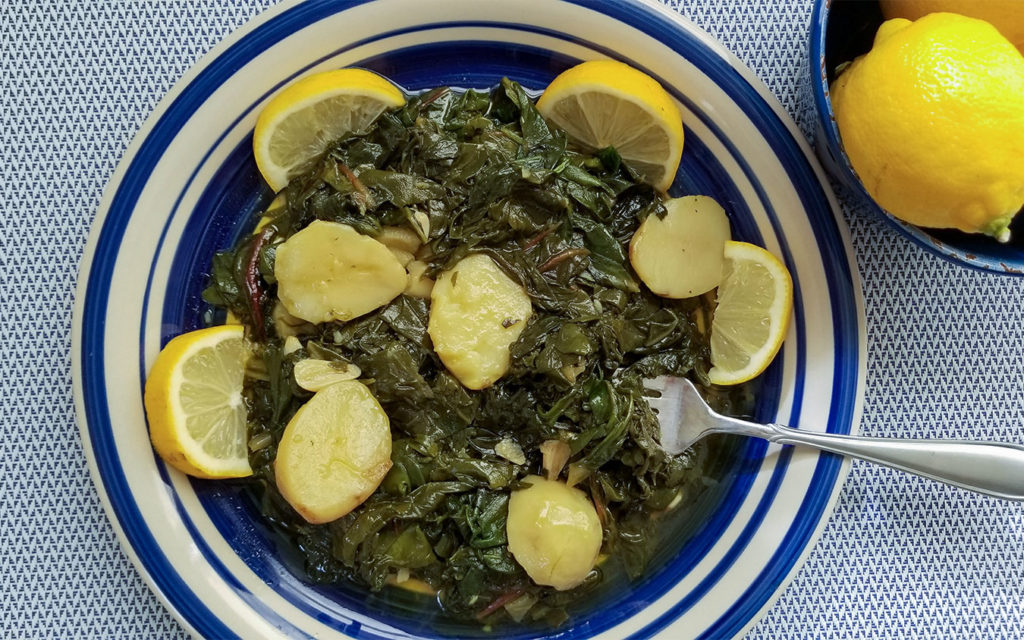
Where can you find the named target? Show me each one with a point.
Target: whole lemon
(932, 119)
(1005, 15)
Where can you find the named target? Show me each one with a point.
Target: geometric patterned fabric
(901, 557)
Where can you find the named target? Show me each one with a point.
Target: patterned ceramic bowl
(188, 186)
(841, 30)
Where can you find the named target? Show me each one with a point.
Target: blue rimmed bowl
(188, 186)
(840, 31)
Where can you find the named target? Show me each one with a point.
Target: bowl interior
(229, 208)
(842, 30)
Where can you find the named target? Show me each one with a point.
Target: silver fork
(992, 468)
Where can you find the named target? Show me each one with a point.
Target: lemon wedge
(604, 103)
(193, 399)
(300, 122)
(755, 302)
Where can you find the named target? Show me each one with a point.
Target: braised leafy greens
(493, 177)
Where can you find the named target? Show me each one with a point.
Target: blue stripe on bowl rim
(112, 229)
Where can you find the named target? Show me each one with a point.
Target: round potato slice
(476, 313)
(334, 452)
(329, 271)
(553, 532)
(682, 254)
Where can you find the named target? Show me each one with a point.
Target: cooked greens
(491, 177)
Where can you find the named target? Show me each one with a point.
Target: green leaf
(608, 262)
(411, 549)
(400, 189)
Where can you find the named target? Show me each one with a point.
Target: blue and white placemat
(900, 557)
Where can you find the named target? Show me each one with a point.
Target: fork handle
(994, 469)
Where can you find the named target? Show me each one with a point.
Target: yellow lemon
(304, 119)
(932, 119)
(194, 404)
(755, 302)
(1005, 15)
(604, 103)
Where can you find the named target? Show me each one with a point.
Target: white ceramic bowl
(188, 186)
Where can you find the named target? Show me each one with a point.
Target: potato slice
(329, 271)
(334, 452)
(682, 254)
(553, 532)
(476, 313)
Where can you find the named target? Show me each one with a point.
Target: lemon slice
(755, 301)
(193, 398)
(605, 103)
(299, 123)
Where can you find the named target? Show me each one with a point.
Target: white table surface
(900, 557)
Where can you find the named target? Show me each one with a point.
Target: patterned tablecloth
(900, 558)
